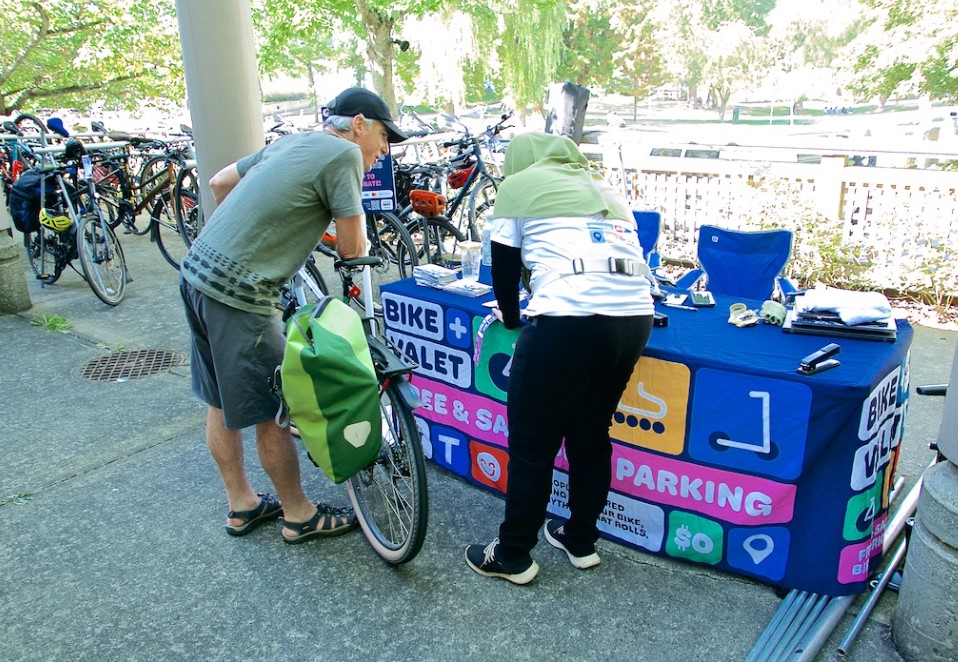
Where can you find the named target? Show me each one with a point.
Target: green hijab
(547, 175)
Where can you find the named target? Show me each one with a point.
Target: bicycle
(438, 224)
(390, 496)
(72, 225)
(387, 238)
(159, 186)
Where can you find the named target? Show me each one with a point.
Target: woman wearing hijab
(590, 317)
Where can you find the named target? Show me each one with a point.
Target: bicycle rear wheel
(388, 239)
(48, 253)
(481, 201)
(439, 242)
(390, 496)
(189, 216)
(166, 233)
(102, 259)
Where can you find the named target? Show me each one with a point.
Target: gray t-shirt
(272, 220)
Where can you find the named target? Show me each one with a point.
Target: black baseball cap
(360, 101)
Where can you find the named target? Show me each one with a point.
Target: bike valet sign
(766, 475)
(379, 187)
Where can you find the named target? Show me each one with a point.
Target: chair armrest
(788, 290)
(689, 279)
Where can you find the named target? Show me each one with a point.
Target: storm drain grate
(121, 366)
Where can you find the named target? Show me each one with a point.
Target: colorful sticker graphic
(854, 560)
(651, 413)
(478, 417)
(490, 466)
(450, 449)
(452, 366)
(861, 511)
(458, 328)
(761, 551)
(625, 519)
(495, 359)
(722, 495)
(419, 318)
(751, 423)
(694, 538)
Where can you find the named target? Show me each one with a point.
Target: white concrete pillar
(926, 615)
(14, 295)
(222, 84)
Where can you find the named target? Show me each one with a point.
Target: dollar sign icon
(683, 538)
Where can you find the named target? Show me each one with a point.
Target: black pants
(568, 374)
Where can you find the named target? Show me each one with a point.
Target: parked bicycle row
(60, 186)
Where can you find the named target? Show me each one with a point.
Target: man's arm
(351, 236)
(224, 181)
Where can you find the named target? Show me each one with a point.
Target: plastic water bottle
(487, 244)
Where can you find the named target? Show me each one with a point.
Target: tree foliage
(530, 48)
(639, 67)
(589, 42)
(907, 47)
(71, 53)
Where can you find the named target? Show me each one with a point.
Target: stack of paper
(467, 288)
(432, 275)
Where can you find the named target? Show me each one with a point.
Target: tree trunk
(379, 48)
(313, 97)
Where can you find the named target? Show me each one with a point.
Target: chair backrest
(649, 224)
(743, 263)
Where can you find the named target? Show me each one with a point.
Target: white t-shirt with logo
(550, 244)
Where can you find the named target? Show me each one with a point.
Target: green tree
(736, 60)
(293, 42)
(752, 13)
(374, 23)
(530, 48)
(589, 44)
(638, 66)
(75, 53)
(940, 71)
(906, 47)
(683, 35)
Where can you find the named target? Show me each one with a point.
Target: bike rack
(804, 621)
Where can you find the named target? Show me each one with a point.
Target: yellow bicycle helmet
(55, 223)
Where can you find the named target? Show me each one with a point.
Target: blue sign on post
(379, 186)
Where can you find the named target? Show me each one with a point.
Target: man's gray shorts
(233, 355)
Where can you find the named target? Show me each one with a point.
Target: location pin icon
(761, 551)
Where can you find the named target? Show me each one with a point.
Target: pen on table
(676, 305)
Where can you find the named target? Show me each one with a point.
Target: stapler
(820, 361)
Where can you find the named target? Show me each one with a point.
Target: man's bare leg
(279, 458)
(226, 447)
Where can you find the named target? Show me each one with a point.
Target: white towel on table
(852, 307)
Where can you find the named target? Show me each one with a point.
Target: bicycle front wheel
(102, 259)
(390, 496)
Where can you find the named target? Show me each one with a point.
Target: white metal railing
(899, 213)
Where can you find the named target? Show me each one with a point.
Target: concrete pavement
(112, 545)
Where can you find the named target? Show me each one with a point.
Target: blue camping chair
(648, 225)
(742, 264)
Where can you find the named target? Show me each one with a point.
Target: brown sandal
(327, 522)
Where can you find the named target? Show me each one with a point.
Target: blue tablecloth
(723, 454)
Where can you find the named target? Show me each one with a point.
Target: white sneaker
(554, 533)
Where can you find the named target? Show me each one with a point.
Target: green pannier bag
(329, 387)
